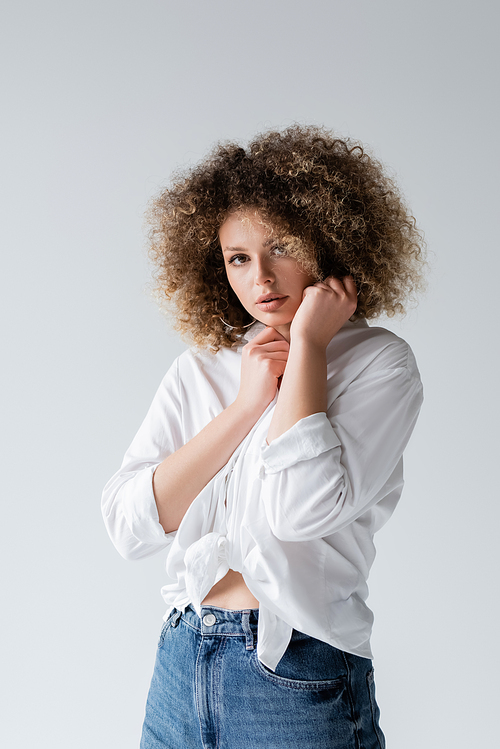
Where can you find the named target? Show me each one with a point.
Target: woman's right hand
(263, 362)
(184, 473)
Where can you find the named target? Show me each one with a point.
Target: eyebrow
(242, 249)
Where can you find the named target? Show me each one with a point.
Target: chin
(279, 317)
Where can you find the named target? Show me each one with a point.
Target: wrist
(245, 412)
(307, 346)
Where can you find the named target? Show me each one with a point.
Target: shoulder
(362, 347)
(204, 378)
(205, 362)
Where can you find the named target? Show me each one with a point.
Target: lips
(269, 297)
(270, 302)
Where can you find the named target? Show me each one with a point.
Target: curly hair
(333, 206)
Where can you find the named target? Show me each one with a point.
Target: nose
(264, 272)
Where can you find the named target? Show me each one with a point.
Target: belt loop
(245, 624)
(174, 621)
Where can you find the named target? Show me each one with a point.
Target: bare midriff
(231, 593)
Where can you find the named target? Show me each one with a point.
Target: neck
(284, 330)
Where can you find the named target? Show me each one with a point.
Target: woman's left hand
(325, 307)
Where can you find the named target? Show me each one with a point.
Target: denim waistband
(217, 622)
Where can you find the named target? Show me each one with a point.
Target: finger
(346, 283)
(277, 356)
(261, 355)
(350, 286)
(274, 346)
(268, 334)
(333, 282)
(254, 349)
(320, 285)
(329, 284)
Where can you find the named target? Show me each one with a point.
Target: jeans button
(209, 620)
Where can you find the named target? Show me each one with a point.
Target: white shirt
(296, 517)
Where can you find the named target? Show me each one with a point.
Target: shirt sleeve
(329, 468)
(128, 504)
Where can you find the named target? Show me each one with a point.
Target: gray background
(102, 100)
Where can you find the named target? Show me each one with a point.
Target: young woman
(272, 451)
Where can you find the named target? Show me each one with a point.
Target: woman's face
(268, 283)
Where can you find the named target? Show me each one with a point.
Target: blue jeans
(210, 691)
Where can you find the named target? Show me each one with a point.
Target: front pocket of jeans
(163, 632)
(166, 626)
(299, 684)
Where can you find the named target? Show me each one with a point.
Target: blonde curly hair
(332, 205)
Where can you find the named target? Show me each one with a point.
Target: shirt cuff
(140, 510)
(307, 439)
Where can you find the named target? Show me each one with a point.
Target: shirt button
(209, 620)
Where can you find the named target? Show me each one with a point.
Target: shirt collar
(253, 331)
(257, 327)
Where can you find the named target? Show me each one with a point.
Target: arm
(321, 471)
(160, 476)
(324, 309)
(329, 468)
(182, 475)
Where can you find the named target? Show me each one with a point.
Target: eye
(279, 251)
(237, 260)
